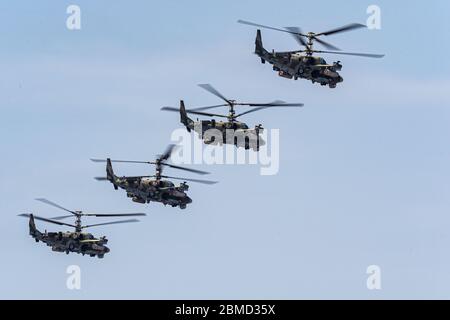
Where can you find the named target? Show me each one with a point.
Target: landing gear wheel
(100, 256)
(183, 206)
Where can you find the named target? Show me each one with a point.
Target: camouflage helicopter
(302, 63)
(144, 189)
(78, 241)
(230, 131)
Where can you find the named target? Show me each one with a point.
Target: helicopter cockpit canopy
(167, 184)
(87, 236)
(321, 60)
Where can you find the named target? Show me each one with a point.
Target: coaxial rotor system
(231, 104)
(307, 39)
(160, 163)
(78, 214)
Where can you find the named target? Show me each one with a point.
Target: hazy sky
(364, 168)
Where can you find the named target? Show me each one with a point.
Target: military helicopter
(78, 241)
(230, 131)
(144, 189)
(302, 63)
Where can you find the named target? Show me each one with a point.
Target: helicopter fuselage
(294, 65)
(77, 242)
(146, 190)
(229, 132)
(153, 188)
(224, 132)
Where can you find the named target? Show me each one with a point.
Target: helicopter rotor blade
(101, 178)
(151, 162)
(193, 180)
(208, 107)
(43, 200)
(249, 111)
(266, 107)
(61, 217)
(122, 161)
(114, 214)
(183, 168)
(276, 103)
(195, 111)
(297, 34)
(345, 28)
(206, 114)
(273, 103)
(108, 223)
(327, 45)
(167, 152)
(367, 55)
(26, 215)
(170, 109)
(268, 27)
(212, 90)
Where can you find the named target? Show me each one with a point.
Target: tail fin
(34, 232)
(33, 229)
(110, 173)
(259, 49)
(184, 119)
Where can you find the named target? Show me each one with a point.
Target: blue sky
(364, 175)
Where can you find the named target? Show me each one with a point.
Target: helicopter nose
(106, 249)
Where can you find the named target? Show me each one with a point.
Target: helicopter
(78, 242)
(230, 131)
(302, 63)
(145, 189)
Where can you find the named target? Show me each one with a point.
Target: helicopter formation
(159, 188)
